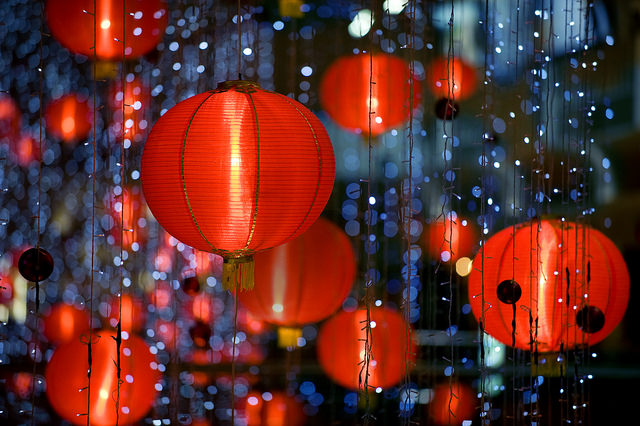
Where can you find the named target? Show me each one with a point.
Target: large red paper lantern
(271, 409)
(453, 77)
(303, 281)
(235, 171)
(452, 404)
(66, 377)
(345, 89)
(65, 323)
(69, 118)
(448, 240)
(145, 22)
(571, 278)
(341, 347)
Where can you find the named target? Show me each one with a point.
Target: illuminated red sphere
(271, 409)
(570, 277)
(345, 92)
(144, 21)
(66, 377)
(69, 118)
(133, 313)
(447, 240)
(455, 77)
(305, 280)
(341, 347)
(10, 117)
(25, 149)
(65, 323)
(237, 170)
(452, 405)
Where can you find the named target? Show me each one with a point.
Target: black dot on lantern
(191, 286)
(445, 110)
(590, 319)
(35, 264)
(200, 334)
(509, 292)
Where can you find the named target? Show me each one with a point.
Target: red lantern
(454, 77)
(448, 240)
(303, 281)
(235, 171)
(165, 332)
(127, 209)
(137, 98)
(66, 376)
(570, 278)
(10, 117)
(133, 313)
(145, 22)
(25, 149)
(341, 347)
(65, 323)
(451, 405)
(69, 118)
(271, 409)
(345, 89)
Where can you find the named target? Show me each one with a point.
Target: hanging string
(238, 19)
(233, 357)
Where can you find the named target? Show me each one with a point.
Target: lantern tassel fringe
(237, 273)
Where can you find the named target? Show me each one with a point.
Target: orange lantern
(562, 284)
(235, 171)
(452, 405)
(303, 281)
(271, 409)
(65, 323)
(137, 98)
(133, 313)
(341, 347)
(454, 77)
(66, 376)
(127, 209)
(345, 92)
(448, 240)
(69, 118)
(144, 21)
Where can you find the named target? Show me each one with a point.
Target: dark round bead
(590, 319)
(446, 111)
(200, 334)
(191, 286)
(509, 292)
(35, 264)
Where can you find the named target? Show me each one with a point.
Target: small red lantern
(566, 284)
(345, 92)
(10, 117)
(303, 281)
(144, 21)
(69, 118)
(451, 77)
(127, 209)
(452, 405)
(137, 98)
(341, 347)
(65, 323)
(66, 376)
(25, 149)
(448, 240)
(235, 171)
(133, 313)
(271, 409)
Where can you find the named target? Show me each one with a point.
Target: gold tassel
(288, 337)
(237, 273)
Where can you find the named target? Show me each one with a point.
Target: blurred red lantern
(163, 260)
(235, 171)
(6, 290)
(10, 117)
(201, 307)
(454, 77)
(271, 409)
(127, 209)
(448, 240)
(137, 98)
(144, 21)
(345, 89)
(25, 149)
(248, 323)
(570, 278)
(65, 323)
(165, 332)
(451, 405)
(21, 383)
(303, 281)
(341, 347)
(66, 377)
(162, 295)
(69, 118)
(133, 313)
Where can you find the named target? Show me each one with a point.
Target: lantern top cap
(230, 84)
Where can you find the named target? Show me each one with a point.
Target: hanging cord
(233, 358)
(238, 22)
